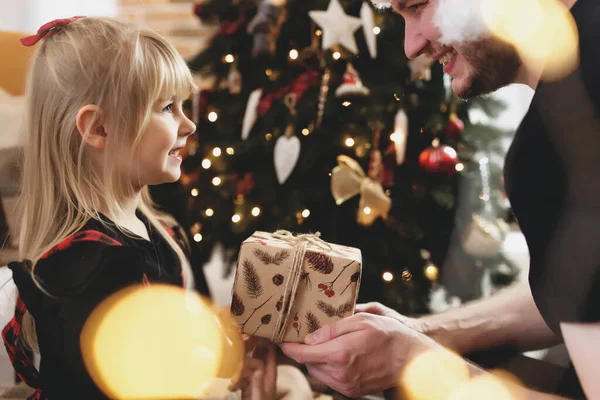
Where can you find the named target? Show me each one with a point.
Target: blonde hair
(123, 69)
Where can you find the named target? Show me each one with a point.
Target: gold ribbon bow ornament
(348, 180)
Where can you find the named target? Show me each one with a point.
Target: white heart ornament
(285, 157)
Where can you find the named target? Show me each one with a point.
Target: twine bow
(47, 30)
(290, 290)
(348, 180)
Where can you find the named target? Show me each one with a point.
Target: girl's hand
(258, 378)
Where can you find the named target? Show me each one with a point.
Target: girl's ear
(90, 123)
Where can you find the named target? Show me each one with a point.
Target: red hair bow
(47, 29)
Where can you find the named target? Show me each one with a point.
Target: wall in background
(174, 19)
(29, 15)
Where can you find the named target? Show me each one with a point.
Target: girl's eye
(168, 108)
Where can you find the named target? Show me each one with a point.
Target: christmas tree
(311, 118)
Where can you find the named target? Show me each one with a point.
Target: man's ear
(90, 123)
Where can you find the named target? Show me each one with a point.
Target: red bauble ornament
(454, 127)
(245, 184)
(439, 160)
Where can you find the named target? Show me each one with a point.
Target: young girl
(103, 121)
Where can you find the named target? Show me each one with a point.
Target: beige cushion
(8, 301)
(11, 142)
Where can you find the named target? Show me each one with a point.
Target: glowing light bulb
(198, 237)
(337, 55)
(388, 276)
(256, 211)
(376, 30)
(294, 54)
(305, 132)
(217, 152)
(195, 192)
(431, 272)
(213, 116)
(367, 210)
(318, 32)
(236, 218)
(269, 72)
(460, 167)
(349, 142)
(209, 212)
(306, 213)
(346, 103)
(230, 151)
(216, 181)
(206, 163)
(229, 58)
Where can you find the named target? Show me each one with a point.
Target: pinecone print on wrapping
(265, 320)
(268, 259)
(278, 280)
(279, 304)
(312, 322)
(342, 311)
(252, 280)
(353, 279)
(319, 262)
(237, 305)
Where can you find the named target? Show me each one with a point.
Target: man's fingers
(324, 353)
(336, 329)
(371, 308)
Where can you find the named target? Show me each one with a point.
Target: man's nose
(414, 42)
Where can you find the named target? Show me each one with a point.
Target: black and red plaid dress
(79, 273)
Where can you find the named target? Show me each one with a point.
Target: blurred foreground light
(542, 31)
(482, 387)
(434, 375)
(158, 342)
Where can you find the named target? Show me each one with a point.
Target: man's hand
(380, 309)
(362, 354)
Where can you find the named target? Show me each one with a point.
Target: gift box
(288, 286)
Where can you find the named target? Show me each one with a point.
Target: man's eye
(416, 7)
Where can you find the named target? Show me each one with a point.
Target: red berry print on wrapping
(297, 325)
(327, 287)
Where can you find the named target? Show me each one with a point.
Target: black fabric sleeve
(570, 112)
(119, 267)
(80, 278)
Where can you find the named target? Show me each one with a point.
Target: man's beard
(494, 64)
